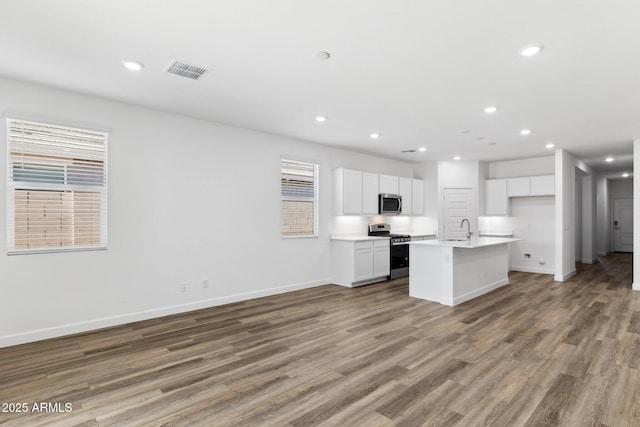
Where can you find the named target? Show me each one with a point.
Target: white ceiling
(419, 72)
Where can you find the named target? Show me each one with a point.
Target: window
(56, 188)
(299, 191)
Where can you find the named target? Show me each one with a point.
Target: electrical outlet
(205, 284)
(183, 287)
(527, 257)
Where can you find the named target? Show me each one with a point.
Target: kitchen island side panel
(478, 271)
(430, 272)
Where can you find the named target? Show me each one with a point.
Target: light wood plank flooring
(533, 353)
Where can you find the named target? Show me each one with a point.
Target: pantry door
(458, 204)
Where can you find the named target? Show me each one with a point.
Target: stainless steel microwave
(390, 204)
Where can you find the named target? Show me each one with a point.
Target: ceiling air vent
(185, 70)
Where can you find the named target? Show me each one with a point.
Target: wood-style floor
(534, 353)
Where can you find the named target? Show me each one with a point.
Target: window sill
(55, 250)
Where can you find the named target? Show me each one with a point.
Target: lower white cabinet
(382, 260)
(360, 262)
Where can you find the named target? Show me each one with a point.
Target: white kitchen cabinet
(417, 191)
(381, 259)
(347, 192)
(405, 190)
(360, 262)
(389, 184)
(370, 191)
(364, 263)
(496, 197)
(518, 187)
(543, 185)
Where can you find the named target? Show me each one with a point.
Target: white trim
(635, 286)
(473, 294)
(559, 278)
(47, 119)
(589, 261)
(605, 253)
(106, 322)
(538, 270)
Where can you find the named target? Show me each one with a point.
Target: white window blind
(56, 188)
(299, 191)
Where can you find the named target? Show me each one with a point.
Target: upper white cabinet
(543, 185)
(406, 191)
(389, 184)
(347, 194)
(370, 191)
(496, 197)
(418, 197)
(356, 192)
(517, 187)
(498, 191)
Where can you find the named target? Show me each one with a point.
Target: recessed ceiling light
(375, 135)
(625, 175)
(321, 119)
(492, 143)
(531, 49)
(422, 149)
(323, 56)
(456, 158)
(550, 145)
(525, 131)
(480, 138)
(490, 109)
(133, 65)
(609, 159)
(465, 131)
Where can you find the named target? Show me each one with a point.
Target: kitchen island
(452, 272)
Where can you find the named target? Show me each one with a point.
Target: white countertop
(352, 238)
(427, 234)
(473, 243)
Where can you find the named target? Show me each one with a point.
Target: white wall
(533, 222)
(188, 200)
(636, 217)
(566, 165)
(603, 228)
(524, 167)
(588, 221)
(578, 216)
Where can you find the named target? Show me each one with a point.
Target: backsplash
(399, 224)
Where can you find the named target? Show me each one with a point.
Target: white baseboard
(527, 269)
(106, 322)
(604, 253)
(589, 261)
(635, 286)
(473, 294)
(559, 278)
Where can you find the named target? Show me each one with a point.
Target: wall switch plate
(205, 284)
(183, 287)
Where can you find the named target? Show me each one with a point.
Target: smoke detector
(185, 70)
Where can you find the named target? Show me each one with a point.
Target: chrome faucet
(469, 233)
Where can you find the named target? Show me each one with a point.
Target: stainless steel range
(399, 249)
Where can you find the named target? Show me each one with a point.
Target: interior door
(458, 205)
(623, 225)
